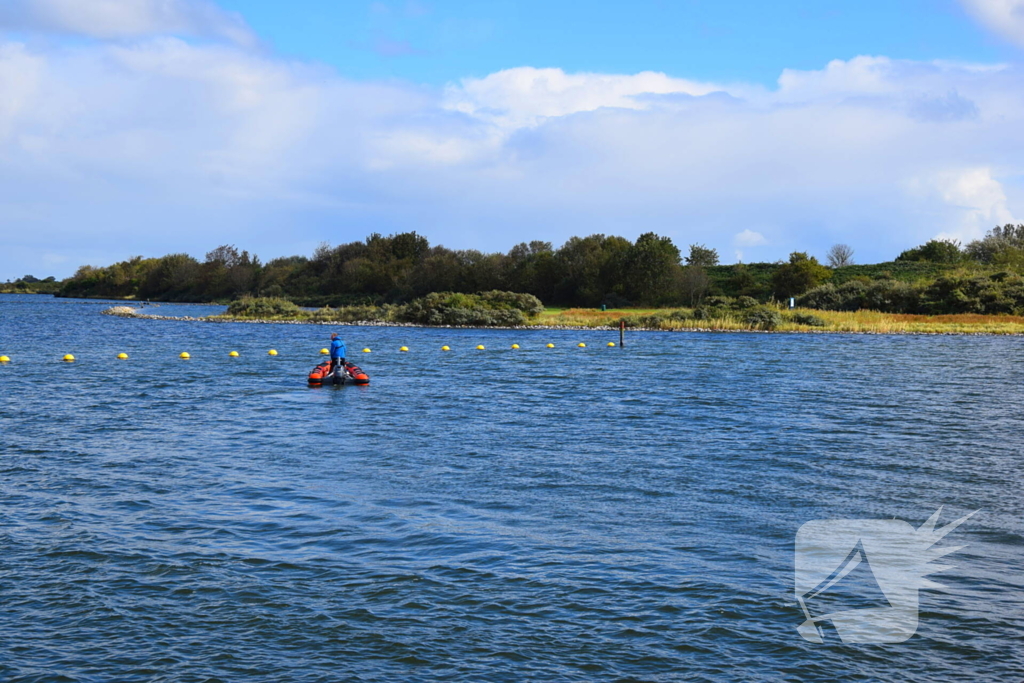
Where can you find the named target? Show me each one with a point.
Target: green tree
(650, 268)
(935, 251)
(695, 284)
(409, 246)
(1001, 246)
(439, 271)
(702, 256)
(590, 268)
(530, 268)
(802, 273)
(173, 278)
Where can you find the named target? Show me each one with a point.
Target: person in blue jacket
(337, 351)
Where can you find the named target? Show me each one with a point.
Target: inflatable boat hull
(322, 376)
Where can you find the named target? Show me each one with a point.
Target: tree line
(30, 284)
(584, 272)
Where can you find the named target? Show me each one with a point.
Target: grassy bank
(760, 318)
(827, 321)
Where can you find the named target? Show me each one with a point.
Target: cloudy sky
(156, 126)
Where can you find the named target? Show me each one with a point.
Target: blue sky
(719, 40)
(157, 126)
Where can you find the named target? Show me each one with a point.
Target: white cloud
(749, 238)
(864, 76)
(978, 200)
(157, 145)
(112, 19)
(1005, 17)
(524, 96)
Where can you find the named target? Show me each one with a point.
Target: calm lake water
(565, 514)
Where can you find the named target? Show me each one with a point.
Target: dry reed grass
(836, 321)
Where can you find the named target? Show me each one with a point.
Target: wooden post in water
(622, 333)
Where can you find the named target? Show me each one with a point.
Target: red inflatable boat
(351, 374)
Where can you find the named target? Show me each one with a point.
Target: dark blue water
(564, 514)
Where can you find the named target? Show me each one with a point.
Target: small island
(598, 281)
(718, 315)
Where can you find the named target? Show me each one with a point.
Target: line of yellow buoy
(184, 355)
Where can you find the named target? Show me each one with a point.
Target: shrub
(351, 314)
(891, 296)
(710, 312)
(653, 322)
(829, 297)
(745, 302)
(887, 296)
(527, 303)
(997, 294)
(263, 308)
(763, 318)
(808, 319)
(977, 294)
(486, 309)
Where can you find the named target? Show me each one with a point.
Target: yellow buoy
(184, 355)
(445, 348)
(404, 348)
(479, 347)
(233, 354)
(582, 345)
(515, 346)
(4, 359)
(69, 358)
(272, 352)
(551, 346)
(611, 343)
(324, 352)
(366, 350)
(122, 356)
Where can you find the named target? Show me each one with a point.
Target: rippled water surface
(565, 514)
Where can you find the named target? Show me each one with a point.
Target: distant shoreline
(133, 313)
(835, 322)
